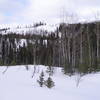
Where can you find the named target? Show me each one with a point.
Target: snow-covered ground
(17, 84)
(29, 29)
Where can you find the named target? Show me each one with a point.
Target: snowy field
(17, 84)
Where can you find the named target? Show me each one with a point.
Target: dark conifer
(41, 79)
(49, 82)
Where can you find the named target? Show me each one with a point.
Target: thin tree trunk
(97, 32)
(81, 49)
(88, 39)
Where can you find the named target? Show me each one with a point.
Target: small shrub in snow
(49, 82)
(41, 79)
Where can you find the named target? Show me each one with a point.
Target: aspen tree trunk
(53, 63)
(59, 52)
(97, 25)
(88, 40)
(34, 60)
(64, 55)
(73, 55)
(73, 47)
(81, 49)
(34, 55)
(68, 49)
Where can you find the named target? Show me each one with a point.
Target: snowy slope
(22, 29)
(17, 84)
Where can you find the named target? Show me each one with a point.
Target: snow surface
(29, 29)
(17, 84)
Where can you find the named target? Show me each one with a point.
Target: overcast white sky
(51, 11)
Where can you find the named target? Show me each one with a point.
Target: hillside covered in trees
(75, 47)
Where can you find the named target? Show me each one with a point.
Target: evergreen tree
(49, 82)
(41, 79)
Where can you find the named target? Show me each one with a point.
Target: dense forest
(75, 47)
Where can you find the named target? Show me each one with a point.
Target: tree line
(75, 47)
